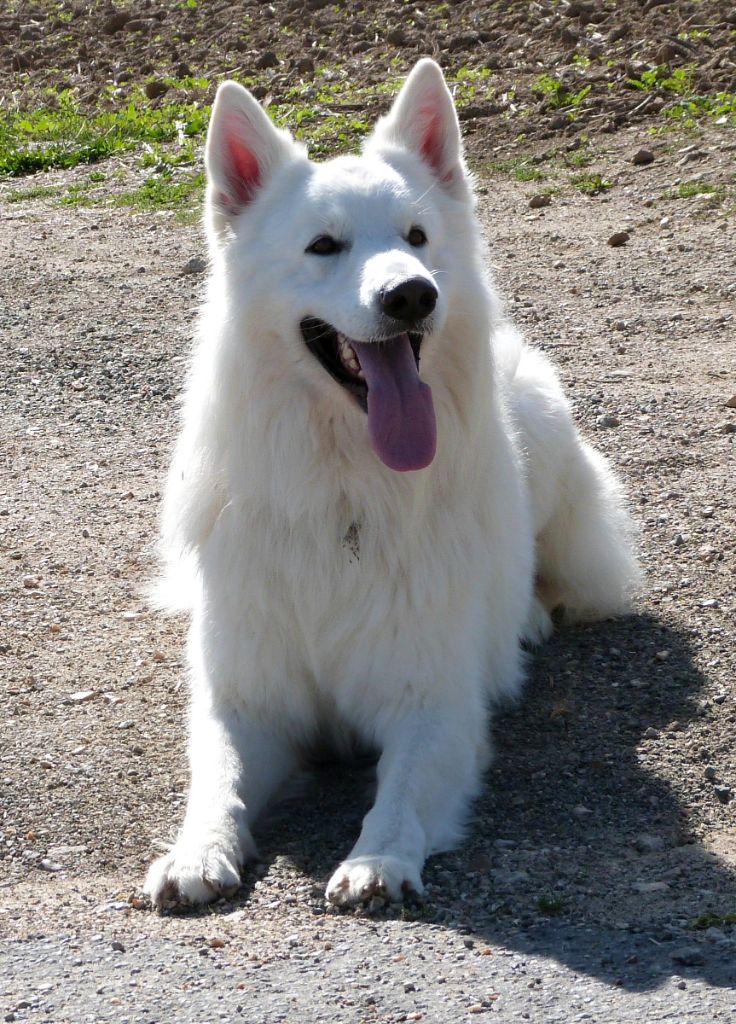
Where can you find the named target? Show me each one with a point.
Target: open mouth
(383, 377)
(338, 355)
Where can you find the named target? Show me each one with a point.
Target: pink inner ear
(243, 172)
(431, 147)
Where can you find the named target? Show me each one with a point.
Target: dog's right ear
(243, 148)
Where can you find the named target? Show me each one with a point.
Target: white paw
(194, 873)
(359, 879)
(538, 626)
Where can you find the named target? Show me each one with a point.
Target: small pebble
(50, 865)
(710, 773)
(267, 60)
(82, 696)
(642, 157)
(644, 887)
(195, 265)
(155, 89)
(690, 956)
(707, 553)
(649, 844)
(619, 238)
(723, 793)
(396, 36)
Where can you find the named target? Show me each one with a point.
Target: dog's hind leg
(585, 553)
(236, 766)
(429, 770)
(584, 535)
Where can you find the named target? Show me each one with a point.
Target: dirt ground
(89, 46)
(599, 879)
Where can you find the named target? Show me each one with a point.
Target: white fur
(331, 596)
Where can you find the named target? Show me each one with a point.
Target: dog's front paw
(359, 879)
(194, 873)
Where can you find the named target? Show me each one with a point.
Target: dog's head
(349, 263)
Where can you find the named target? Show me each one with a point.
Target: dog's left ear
(423, 120)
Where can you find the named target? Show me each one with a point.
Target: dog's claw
(361, 879)
(189, 876)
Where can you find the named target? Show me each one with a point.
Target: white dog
(378, 492)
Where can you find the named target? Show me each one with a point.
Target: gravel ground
(608, 824)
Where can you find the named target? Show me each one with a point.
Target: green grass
(327, 110)
(710, 920)
(687, 111)
(557, 94)
(181, 192)
(20, 195)
(688, 189)
(552, 906)
(592, 184)
(77, 195)
(162, 192)
(521, 168)
(662, 79)
(686, 107)
(468, 85)
(60, 134)
(580, 157)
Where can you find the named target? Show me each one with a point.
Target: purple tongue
(401, 419)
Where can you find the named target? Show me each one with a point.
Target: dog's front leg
(236, 765)
(430, 768)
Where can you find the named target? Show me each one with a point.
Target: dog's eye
(416, 237)
(325, 245)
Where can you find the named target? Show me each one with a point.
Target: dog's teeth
(348, 357)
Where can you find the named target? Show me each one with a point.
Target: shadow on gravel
(580, 849)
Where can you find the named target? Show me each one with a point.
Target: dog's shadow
(580, 848)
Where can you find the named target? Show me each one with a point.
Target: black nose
(409, 301)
